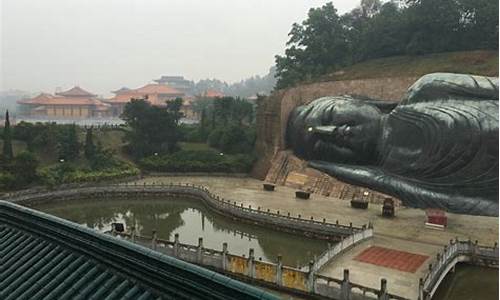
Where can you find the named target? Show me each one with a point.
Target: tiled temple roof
(76, 92)
(47, 257)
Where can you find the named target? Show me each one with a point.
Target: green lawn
(472, 62)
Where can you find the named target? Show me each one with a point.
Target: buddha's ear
(384, 105)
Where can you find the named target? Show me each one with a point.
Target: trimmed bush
(198, 161)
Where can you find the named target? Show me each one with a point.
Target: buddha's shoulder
(450, 86)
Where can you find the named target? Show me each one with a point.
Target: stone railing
(304, 282)
(457, 251)
(181, 174)
(343, 245)
(276, 220)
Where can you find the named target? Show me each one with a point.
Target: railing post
(251, 263)
(345, 288)
(383, 290)
(199, 258)
(224, 256)
(132, 234)
(176, 245)
(420, 289)
(153, 240)
(310, 277)
(279, 271)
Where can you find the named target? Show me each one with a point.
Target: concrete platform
(405, 232)
(409, 223)
(398, 282)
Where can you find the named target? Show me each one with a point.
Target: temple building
(156, 94)
(74, 103)
(178, 83)
(211, 93)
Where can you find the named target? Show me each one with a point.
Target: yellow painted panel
(265, 272)
(238, 265)
(59, 112)
(85, 112)
(294, 279)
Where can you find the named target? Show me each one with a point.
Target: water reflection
(469, 283)
(191, 220)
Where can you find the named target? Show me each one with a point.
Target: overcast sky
(103, 45)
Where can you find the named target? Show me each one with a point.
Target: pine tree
(203, 124)
(69, 147)
(89, 148)
(7, 139)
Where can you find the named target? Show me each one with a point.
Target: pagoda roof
(210, 93)
(48, 99)
(154, 88)
(47, 257)
(124, 97)
(121, 91)
(76, 92)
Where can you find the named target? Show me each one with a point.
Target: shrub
(214, 137)
(198, 161)
(7, 181)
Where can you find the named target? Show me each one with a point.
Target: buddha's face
(336, 129)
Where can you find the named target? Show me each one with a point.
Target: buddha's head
(339, 129)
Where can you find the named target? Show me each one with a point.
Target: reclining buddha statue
(436, 148)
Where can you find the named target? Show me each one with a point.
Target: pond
(469, 283)
(191, 220)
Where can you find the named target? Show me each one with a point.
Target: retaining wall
(275, 275)
(277, 220)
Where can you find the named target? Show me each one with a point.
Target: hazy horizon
(104, 45)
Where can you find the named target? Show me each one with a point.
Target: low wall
(341, 247)
(212, 174)
(457, 251)
(274, 275)
(228, 208)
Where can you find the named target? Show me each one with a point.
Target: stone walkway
(398, 282)
(405, 232)
(407, 225)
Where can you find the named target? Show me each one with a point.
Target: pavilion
(75, 103)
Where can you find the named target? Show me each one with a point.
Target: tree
(7, 140)
(153, 129)
(325, 41)
(68, 145)
(203, 127)
(89, 148)
(315, 47)
(24, 168)
(174, 107)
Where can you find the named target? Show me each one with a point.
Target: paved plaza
(406, 233)
(407, 225)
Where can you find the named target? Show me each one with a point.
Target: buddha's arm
(448, 86)
(411, 193)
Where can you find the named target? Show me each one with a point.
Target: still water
(469, 283)
(191, 220)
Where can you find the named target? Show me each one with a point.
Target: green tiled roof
(42, 256)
